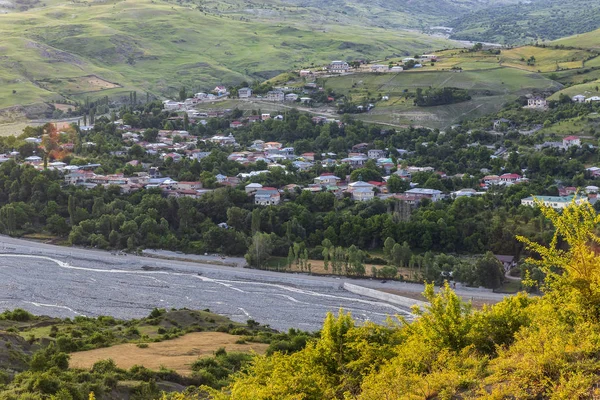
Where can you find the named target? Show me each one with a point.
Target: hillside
(526, 22)
(80, 50)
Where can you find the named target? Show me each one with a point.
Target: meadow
(158, 47)
(489, 88)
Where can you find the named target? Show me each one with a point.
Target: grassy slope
(159, 46)
(490, 89)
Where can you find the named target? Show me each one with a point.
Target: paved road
(63, 281)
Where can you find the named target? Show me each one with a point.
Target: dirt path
(177, 354)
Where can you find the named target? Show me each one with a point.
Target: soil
(177, 354)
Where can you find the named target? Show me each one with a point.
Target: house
(244, 93)
(379, 68)
(175, 156)
(360, 147)
(432, 194)
(355, 161)
(491, 179)
(188, 186)
(220, 90)
(291, 97)
(308, 156)
(375, 154)
(275, 95)
(464, 193)
(509, 178)
(327, 179)
(502, 122)
(254, 118)
(594, 172)
(537, 102)
(253, 187)
(429, 57)
(508, 262)
(171, 105)
(303, 165)
(578, 98)
(359, 185)
(571, 141)
(267, 196)
(305, 100)
(363, 194)
(338, 67)
(305, 72)
(556, 202)
(272, 145)
(235, 124)
(265, 116)
(592, 99)
(396, 69)
(34, 159)
(223, 140)
(567, 191)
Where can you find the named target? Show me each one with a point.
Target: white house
(537, 102)
(557, 202)
(267, 196)
(376, 154)
(592, 99)
(578, 98)
(275, 95)
(363, 194)
(291, 97)
(571, 141)
(379, 68)
(244, 93)
(360, 185)
(253, 187)
(338, 67)
(327, 180)
(432, 194)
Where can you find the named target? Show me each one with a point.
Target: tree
(388, 245)
(182, 94)
(490, 271)
(256, 220)
(260, 250)
(396, 184)
(57, 225)
(71, 209)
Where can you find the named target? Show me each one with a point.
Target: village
(261, 158)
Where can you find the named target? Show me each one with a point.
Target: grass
(177, 354)
(589, 40)
(489, 88)
(586, 125)
(159, 46)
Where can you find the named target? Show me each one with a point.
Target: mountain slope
(525, 22)
(159, 46)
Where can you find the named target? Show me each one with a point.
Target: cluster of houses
(562, 201)
(218, 93)
(583, 99)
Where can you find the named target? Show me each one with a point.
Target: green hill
(526, 22)
(105, 48)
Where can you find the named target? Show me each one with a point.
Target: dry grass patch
(177, 354)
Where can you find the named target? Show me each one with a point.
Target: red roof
(571, 138)
(510, 176)
(375, 183)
